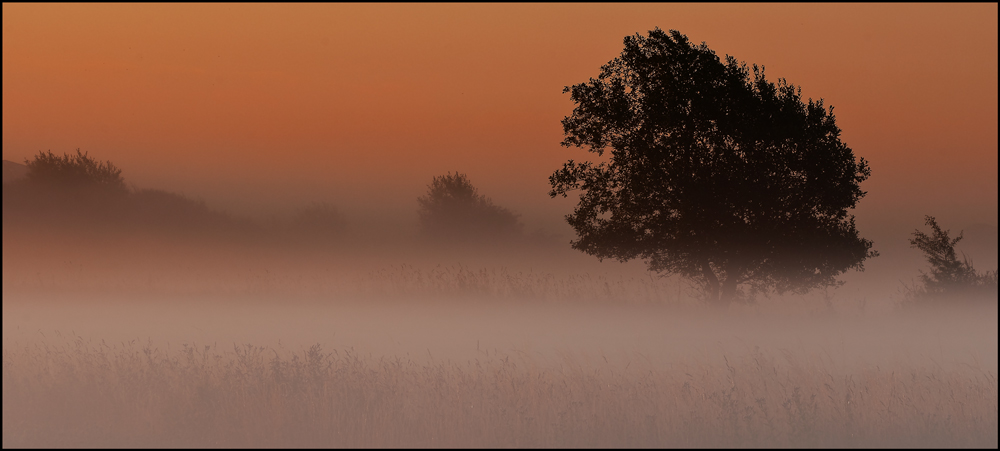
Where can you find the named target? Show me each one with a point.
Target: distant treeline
(77, 191)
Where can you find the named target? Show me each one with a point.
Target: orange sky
(360, 105)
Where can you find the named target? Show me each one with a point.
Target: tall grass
(78, 393)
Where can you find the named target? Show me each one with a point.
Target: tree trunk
(727, 293)
(712, 287)
(720, 292)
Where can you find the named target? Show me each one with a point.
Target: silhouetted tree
(714, 174)
(949, 277)
(453, 209)
(74, 171)
(939, 249)
(71, 188)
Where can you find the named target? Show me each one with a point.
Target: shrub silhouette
(949, 277)
(73, 191)
(74, 172)
(74, 188)
(454, 210)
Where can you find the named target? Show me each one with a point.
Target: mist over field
(236, 334)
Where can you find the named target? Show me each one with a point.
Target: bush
(74, 171)
(78, 192)
(949, 278)
(71, 189)
(453, 210)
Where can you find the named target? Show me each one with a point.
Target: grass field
(80, 394)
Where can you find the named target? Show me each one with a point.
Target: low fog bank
(70, 257)
(169, 371)
(546, 332)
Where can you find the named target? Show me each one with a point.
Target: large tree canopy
(714, 173)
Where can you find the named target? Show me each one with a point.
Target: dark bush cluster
(74, 171)
(949, 279)
(78, 192)
(453, 210)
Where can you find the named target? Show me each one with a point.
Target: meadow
(75, 393)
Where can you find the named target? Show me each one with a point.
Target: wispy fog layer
(180, 335)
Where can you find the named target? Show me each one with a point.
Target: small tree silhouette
(948, 276)
(74, 171)
(453, 209)
(76, 185)
(939, 248)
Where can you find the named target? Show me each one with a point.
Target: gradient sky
(274, 106)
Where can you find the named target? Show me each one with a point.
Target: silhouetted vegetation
(453, 210)
(80, 193)
(950, 279)
(74, 171)
(715, 174)
(77, 189)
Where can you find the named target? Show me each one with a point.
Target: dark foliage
(73, 189)
(74, 172)
(453, 210)
(715, 173)
(80, 193)
(950, 278)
